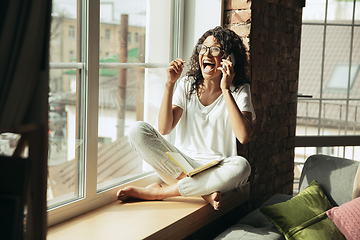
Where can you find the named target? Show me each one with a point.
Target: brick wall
(271, 29)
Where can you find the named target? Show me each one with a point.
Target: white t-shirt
(205, 132)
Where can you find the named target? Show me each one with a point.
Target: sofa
(337, 183)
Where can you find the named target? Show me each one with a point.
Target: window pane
(339, 79)
(340, 11)
(307, 117)
(337, 52)
(111, 35)
(302, 153)
(314, 11)
(337, 118)
(121, 90)
(356, 56)
(63, 33)
(337, 12)
(65, 156)
(357, 12)
(311, 60)
(117, 161)
(66, 138)
(353, 127)
(333, 115)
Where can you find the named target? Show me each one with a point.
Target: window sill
(177, 216)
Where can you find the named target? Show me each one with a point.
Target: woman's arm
(169, 114)
(241, 122)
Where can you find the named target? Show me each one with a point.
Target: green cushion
(304, 216)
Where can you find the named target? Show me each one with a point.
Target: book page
(181, 161)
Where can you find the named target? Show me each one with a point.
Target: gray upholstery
(335, 175)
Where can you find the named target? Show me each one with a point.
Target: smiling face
(208, 63)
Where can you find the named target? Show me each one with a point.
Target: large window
(64, 85)
(110, 73)
(328, 115)
(96, 96)
(122, 78)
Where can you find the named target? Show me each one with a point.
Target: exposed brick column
(272, 30)
(237, 17)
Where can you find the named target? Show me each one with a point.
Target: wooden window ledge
(171, 218)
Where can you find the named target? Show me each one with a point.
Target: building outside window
(339, 77)
(72, 32)
(107, 34)
(136, 37)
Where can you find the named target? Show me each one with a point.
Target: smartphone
(232, 59)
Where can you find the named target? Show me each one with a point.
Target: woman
(211, 107)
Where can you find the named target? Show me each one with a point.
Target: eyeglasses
(213, 50)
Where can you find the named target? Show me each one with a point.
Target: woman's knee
(138, 131)
(243, 165)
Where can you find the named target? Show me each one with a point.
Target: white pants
(230, 174)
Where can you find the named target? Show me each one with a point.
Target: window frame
(88, 66)
(320, 140)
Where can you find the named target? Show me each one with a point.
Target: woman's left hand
(227, 69)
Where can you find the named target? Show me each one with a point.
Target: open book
(186, 167)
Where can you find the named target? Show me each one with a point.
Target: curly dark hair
(230, 42)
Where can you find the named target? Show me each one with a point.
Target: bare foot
(147, 193)
(152, 192)
(213, 199)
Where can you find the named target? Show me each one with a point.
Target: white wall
(199, 16)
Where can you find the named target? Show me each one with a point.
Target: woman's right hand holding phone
(174, 70)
